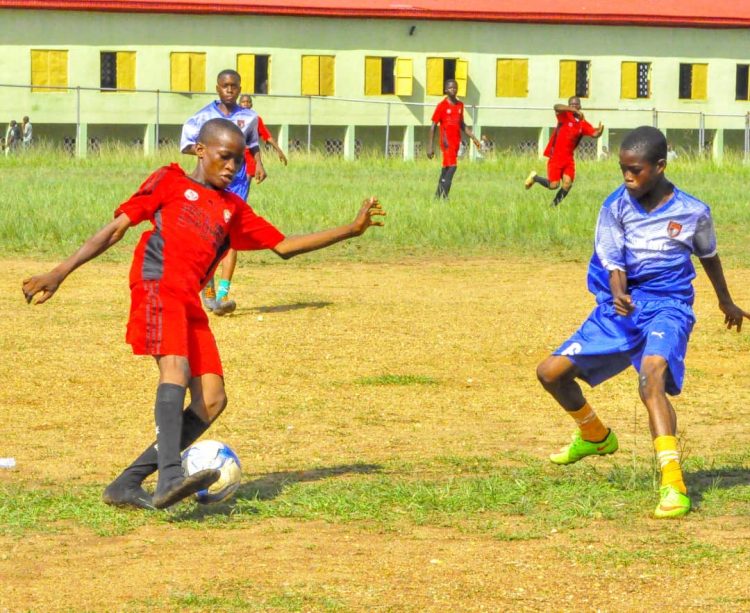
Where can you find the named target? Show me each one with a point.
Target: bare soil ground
(76, 407)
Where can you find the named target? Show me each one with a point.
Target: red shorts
(163, 323)
(450, 154)
(557, 167)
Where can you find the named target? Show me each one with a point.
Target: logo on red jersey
(673, 229)
(191, 195)
(227, 215)
(240, 123)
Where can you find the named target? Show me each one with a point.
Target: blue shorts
(240, 186)
(607, 343)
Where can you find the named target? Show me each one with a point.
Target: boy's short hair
(445, 85)
(215, 126)
(243, 96)
(648, 141)
(228, 72)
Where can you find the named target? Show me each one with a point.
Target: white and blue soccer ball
(213, 454)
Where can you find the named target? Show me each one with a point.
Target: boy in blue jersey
(228, 87)
(641, 274)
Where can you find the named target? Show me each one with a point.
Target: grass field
(384, 404)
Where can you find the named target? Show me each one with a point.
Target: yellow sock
(592, 429)
(669, 462)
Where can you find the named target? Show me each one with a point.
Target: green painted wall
(153, 37)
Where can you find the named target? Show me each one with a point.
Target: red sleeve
(587, 129)
(144, 203)
(250, 232)
(437, 116)
(263, 132)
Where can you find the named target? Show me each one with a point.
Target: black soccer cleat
(127, 496)
(182, 487)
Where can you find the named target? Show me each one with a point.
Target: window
(574, 78)
(741, 87)
(117, 69)
(693, 81)
(253, 71)
(512, 79)
(388, 75)
(317, 75)
(188, 72)
(635, 80)
(48, 68)
(440, 69)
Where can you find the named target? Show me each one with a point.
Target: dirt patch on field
(298, 353)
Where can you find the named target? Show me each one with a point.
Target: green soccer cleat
(672, 503)
(579, 449)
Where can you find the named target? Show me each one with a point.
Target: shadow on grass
(700, 481)
(282, 308)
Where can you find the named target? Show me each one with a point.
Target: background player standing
(194, 220)
(228, 87)
(641, 274)
(449, 115)
(561, 166)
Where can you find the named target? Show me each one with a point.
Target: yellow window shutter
(567, 78)
(520, 81)
(462, 76)
(435, 76)
(58, 68)
(327, 75)
(503, 78)
(373, 76)
(700, 82)
(629, 81)
(179, 72)
(310, 75)
(246, 68)
(197, 72)
(404, 76)
(39, 70)
(126, 69)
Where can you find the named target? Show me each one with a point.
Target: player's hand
(733, 315)
(282, 158)
(260, 174)
(430, 154)
(370, 208)
(45, 284)
(623, 304)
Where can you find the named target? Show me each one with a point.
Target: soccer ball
(213, 454)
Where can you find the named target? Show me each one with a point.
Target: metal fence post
(747, 136)
(701, 132)
(309, 123)
(78, 116)
(156, 132)
(387, 127)
(655, 118)
(473, 150)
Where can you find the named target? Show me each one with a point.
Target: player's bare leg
(224, 305)
(662, 421)
(557, 374)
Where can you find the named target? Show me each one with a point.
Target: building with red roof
(339, 71)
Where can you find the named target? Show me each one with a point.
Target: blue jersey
(245, 119)
(654, 248)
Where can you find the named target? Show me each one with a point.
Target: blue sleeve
(609, 242)
(704, 239)
(190, 132)
(251, 139)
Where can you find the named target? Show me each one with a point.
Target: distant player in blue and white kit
(641, 274)
(228, 87)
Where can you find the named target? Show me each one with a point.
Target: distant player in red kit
(561, 166)
(449, 115)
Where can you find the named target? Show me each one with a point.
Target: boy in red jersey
(195, 220)
(571, 127)
(246, 102)
(449, 115)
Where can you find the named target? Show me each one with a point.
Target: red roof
(683, 13)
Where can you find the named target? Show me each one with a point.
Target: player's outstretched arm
(47, 283)
(279, 151)
(431, 141)
(733, 315)
(294, 245)
(599, 130)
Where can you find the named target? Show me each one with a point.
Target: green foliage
(397, 380)
(52, 202)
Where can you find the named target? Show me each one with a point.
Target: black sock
(440, 193)
(542, 181)
(446, 179)
(170, 399)
(147, 463)
(560, 196)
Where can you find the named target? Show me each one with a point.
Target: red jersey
(450, 117)
(193, 226)
(567, 135)
(264, 135)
